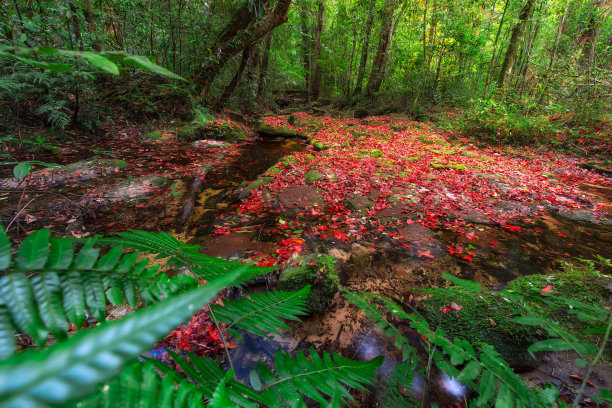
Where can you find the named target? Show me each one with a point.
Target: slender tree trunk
(263, 68)
(425, 32)
(229, 89)
(591, 35)
(305, 45)
(91, 25)
(349, 74)
(380, 60)
(315, 85)
(515, 39)
(76, 29)
(559, 32)
(493, 57)
(228, 46)
(364, 48)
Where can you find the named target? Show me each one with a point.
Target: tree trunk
(263, 68)
(364, 48)
(305, 46)
(349, 73)
(559, 31)
(229, 45)
(589, 38)
(380, 60)
(76, 29)
(315, 85)
(96, 44)
(493, 57)
(515, 39)
(229, 89)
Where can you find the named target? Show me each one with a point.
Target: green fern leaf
(375, 307)
(311, 377)
(5, 250)
(34, 251)
(7, 338)
(73, 297)
(61, 254)
(46, 288)
(72, 369)
(94, 296)
(16, 293)
(263, 312)
(179, 254)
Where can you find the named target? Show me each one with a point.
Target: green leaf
(5, 250)
(73, 368)
(46, 288)
(528, 320)
(465, 284)
(561, 345)
(101, 62)
(469, 372)
(580, 363)
(143, 63)
(486, 388)
(606, 395)
(505, 398)
(16, 294)
(7, 337)
(21, 170)
(34, 251)
(262, 313)
(73, 297)
(61, 254)
(255, 381)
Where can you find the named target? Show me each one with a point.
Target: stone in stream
(215, 129)
(318, 270)
(129, 189)
(210, 144)
(299, 197)
(255, 185)
(79, 171)
(421, 240)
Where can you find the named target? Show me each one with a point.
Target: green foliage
(316, 270)
(66, 285)
(179, 254)
(72, 368)
(262, 313)
(140, 385)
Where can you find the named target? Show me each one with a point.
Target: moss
(157, 135)
(288, 160)
(215, 129)
(318, 270)
(320, 146)
(313, 176)
(120, 164)
(274, 170)
(280, 131)
(371, 153)
(484, 318)
(261, 181)
(576, 283)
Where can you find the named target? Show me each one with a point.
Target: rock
(484, 318)
(361, 112)
(79, 171)
(358, 204)
(284, 130)
(313, 176)
(215, 129)
(318, 270)
(581, 215)
(318, 146)
(210, 144)
(132, 189)
(299, 197)
(261, 181)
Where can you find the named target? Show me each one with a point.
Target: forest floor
(397, 203)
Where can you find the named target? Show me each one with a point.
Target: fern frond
(262, 313)
(179, 254)
(375, 307)
(206, 374)
(71, 369)
(396, 390)
(140, 386)
(312, 377)
(48, 285)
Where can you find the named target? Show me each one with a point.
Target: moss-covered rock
(276, 127)
(484, 318)
(215, 129)
(318, 270)
(261, 181)
(320, 146)
(578, 283)
(313, 176)
(371, 153)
